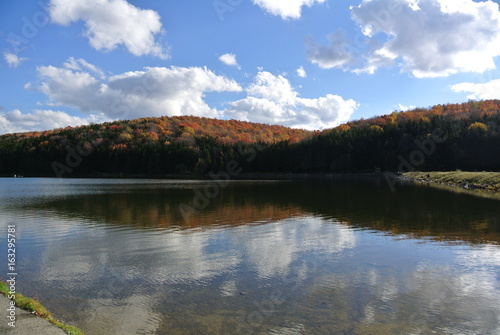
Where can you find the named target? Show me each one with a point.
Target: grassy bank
(33, 306)
(488, 181)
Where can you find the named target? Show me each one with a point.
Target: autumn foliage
(186, 144)
(146, 145)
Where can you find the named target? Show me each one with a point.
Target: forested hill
(441, 138)
(163, 145)
(444, 137)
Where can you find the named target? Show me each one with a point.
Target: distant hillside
(444, 137)
(142, 146)
(177, 129)
(453, 114)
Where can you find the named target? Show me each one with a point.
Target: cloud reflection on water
(130, 267)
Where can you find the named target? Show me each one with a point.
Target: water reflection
(183, 271)
(412, 211)
(422, 301)
(262, 258)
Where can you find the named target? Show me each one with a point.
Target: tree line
(443, 137)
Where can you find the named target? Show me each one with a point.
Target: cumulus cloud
(109, 23)
(428, 38)
(272, 99)
(324, 112)
(291, 9)
(301, 72)
(154, 91)
(404, 108)
(13, 60)
(336, 54)
(488, 90)
(15, 121)
(273, 88)
(83, 65)
(229, 59)
(260, 110)
(65, 86)
(159, 91)
(434, 38)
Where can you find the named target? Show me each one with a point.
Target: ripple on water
(120, 254)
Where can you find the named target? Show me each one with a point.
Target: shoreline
(241, 176)
(472, 181)
(30, 312)
(487, 182)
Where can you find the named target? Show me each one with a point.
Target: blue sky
(300, 63)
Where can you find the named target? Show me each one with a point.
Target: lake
(116, 256)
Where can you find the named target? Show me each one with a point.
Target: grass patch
(489, 181)
(34, 306)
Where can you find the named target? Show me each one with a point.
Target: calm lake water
(260, 257)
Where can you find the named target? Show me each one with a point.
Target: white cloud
(432, 38)
(110, 23)
(229, 59)
(12, 59)
(68, 87)
(324, 112)
(272, 99)
(301, 72)
(15, 121)
(336, 54)
(273, 88)
(174, 91)
(428, 38)
(405, 108)
(154, 91)
(82, 65)
(261, 111)
(489, 90)
(290, 9)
